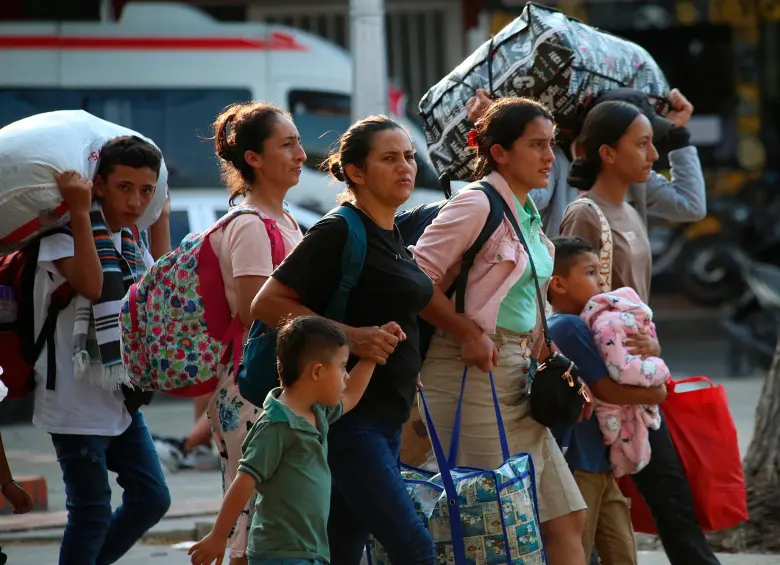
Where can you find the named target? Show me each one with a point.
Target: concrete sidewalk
(30, 452)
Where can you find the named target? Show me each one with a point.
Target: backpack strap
(352, 258)
(232, 214)
(59, 300)
(234, 332)
(494, 219)
(26, 315)
(607, 248)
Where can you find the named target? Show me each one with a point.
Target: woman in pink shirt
(500, 329)
(261, 158)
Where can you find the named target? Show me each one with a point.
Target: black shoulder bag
(557, 394)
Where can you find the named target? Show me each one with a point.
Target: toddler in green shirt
(285, 454)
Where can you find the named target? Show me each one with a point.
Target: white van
(194, 210)
(167, 70)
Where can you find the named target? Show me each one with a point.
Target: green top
(288, 458)
(519, 308)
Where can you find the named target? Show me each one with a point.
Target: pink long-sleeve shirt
(497, 266)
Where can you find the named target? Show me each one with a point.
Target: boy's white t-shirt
(73, 407)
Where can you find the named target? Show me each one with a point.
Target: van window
(321, 118)
(180, 226)
(179, 121)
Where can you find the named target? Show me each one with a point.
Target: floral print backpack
(175, 322)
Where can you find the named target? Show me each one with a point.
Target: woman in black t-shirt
(376, 161)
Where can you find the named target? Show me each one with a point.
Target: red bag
(705, 438)
(19, 346)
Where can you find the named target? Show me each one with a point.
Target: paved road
(163, 555)
(30, 452)
(139, 555)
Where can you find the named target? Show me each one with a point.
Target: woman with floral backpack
(261, 158)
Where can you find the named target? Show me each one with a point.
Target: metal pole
(369, 56)
(107, 11)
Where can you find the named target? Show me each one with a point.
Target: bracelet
(5, 484)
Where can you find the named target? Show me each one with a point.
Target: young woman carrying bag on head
(614, 151)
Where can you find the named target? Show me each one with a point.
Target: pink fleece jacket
(498, 265)
(613, 317)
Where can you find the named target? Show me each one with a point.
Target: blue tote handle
(446, 466)
(449, 487)
(454, 444)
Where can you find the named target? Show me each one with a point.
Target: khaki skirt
(479, 445)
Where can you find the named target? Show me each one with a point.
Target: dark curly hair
(354, 147)
(130, 151)
(240, 128)
(503, 123)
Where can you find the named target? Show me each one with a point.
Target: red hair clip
(472, 138)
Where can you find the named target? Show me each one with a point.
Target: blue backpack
(257, 374)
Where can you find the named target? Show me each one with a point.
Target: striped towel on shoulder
(97, 354)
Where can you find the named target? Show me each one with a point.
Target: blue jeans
(369, 496)
(285, 562)
(94, 535)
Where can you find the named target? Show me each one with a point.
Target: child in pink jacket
(613, 317)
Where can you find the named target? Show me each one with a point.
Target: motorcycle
(752, 323)
(746, 221)
(702, 271)
(686, 257)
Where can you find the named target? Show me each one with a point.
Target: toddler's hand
(208, 550)
(394, 329)
(18, 497)
(643, 344)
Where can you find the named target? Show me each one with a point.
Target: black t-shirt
(391, 288)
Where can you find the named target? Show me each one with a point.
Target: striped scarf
(96, 348)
